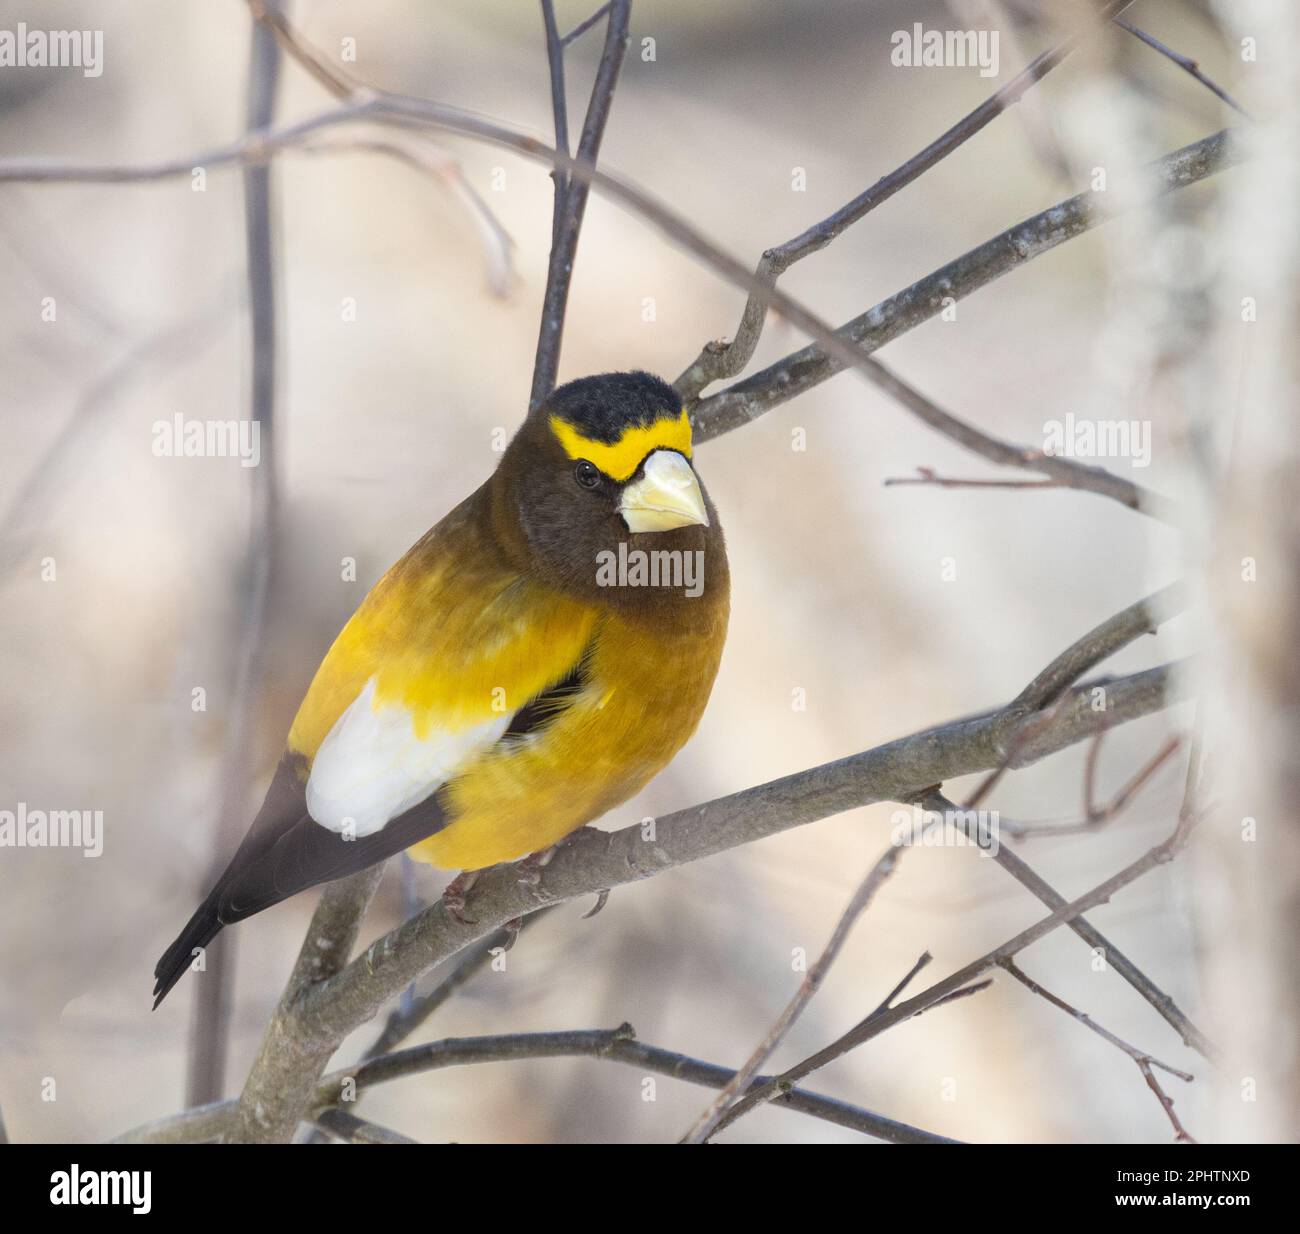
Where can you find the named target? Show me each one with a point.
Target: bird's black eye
(586, 473)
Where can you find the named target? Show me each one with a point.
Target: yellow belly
(648, 687)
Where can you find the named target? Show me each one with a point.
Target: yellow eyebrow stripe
(620, 460)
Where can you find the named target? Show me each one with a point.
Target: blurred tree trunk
(1249, 903)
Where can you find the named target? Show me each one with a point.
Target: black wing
(286, 850)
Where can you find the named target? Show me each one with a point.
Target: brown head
(598, 493)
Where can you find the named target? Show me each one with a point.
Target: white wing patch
(371, 766)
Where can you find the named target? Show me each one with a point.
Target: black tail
(202, 928)
(285, 853)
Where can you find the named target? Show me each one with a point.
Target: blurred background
(848, 626)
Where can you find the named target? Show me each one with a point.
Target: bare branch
(721, 360)
(1144, 617)
(582, 27)
(279, 1086)
(888, 1001)
(957, 982)
(420, 154)
(353, 1130)
(1094, 815)
(1028, 878)
(1144, 1061)
(928, 477)
(617, 1045)
(335, 80)
(746, 400)
(495, 241)
(830, 352)
(614, 1045)
(571, 197)
(740, 1082)
(403, 1021)
(1185, 63)
(210, 1020)
(310, 1025)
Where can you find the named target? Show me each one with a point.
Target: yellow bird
(532, 662)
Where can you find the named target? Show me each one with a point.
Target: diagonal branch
(746, 400)
(830, 352)
(741, 1081)
(353, 1130)
(583, 26)
(719, 361)
(312, 1021)
(571, 196)
(1186, 63)
(613, 1045)
(1144, 1061)
(279, 1086)
(1100, 643)
(954, 984)
(1027, 877)
(404, 1020)
(325, 1000)
(422, 155)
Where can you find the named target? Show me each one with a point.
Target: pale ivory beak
(667, 496)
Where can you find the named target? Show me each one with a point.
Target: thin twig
(740, 1082)
(888, 1001)
(1096, 816)
(421, 154)
(405, 1020)
(830, 352)
(210, 1022)
(930, 478)
(615, 1045)
(353, 1130)
(1144, 617)
(1027, 877)
(571, 197)
(1185, 63)
(495, 241)
(746, 400)
(1144, 1061)
(721, 360)
(952, 985)
(559, 110)
(582, 27)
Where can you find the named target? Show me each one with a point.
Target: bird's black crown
(605, 406)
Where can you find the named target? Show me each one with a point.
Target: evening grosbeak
(531, 663)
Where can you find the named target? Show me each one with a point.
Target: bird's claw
(454, 896)
(602, 898)
(531, 867)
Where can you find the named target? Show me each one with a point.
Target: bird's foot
(455, 893)
(511, 930)
(531, 867)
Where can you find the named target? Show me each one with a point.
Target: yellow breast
(647, 689)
